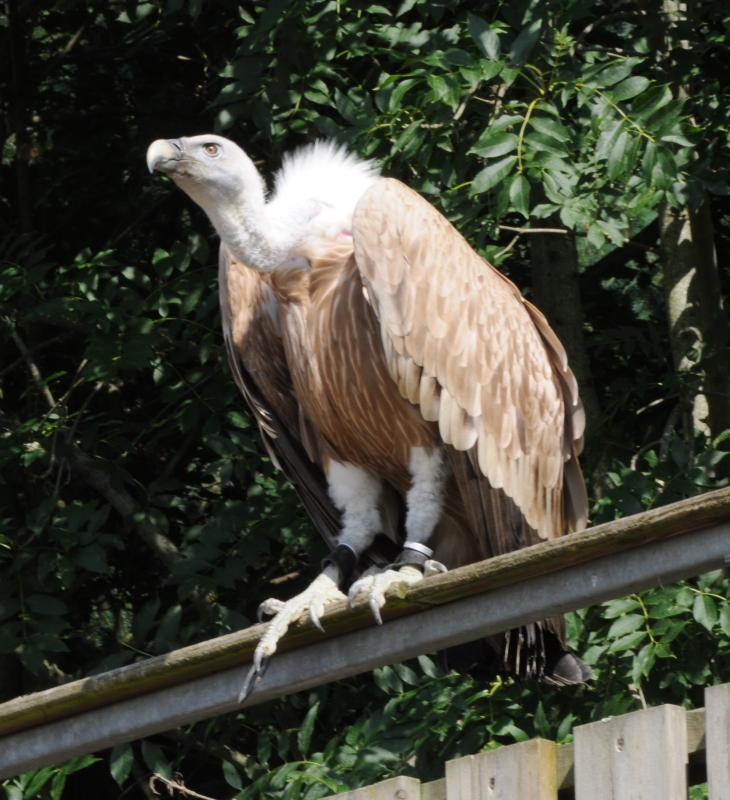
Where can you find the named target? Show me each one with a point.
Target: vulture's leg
(425, 500)
(356, 492)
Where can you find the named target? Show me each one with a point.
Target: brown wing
(463, 344)
(258, 363)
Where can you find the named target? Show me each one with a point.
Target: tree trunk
(694, 306)
(556, 291)
(712, 318)
(692, 284)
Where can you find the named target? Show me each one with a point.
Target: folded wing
(462, 343)
(258, 363)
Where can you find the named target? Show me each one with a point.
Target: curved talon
(254, 675)
(375, 608)
(315, 611)
(361, 585)
(431, 568)
(378, 585)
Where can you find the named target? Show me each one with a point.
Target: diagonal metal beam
(575, 586)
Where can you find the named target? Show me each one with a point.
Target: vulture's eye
(211, 149)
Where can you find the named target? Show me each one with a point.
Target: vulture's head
(212, 170)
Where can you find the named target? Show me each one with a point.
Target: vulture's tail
(529, 652)
(490, 524)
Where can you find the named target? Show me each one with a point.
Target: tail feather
(531, 652)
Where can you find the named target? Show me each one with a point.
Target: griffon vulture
(424, 411)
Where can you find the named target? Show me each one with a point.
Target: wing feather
(494, 374)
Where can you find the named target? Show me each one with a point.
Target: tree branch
(94, 471)
(644, 449)
(655, 403)
(33, 350)
(69, 46)
(666, 438)
(35, 373)
(175, 786)
(533, 230)
(508, 248)
(606, 19)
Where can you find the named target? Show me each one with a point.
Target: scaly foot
(376, 586)
(321, 592)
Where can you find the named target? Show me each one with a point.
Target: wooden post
(524, 771)
(400, 788)
(642, 755)
(717, 738)
(434, 790)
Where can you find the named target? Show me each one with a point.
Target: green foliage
(138, 510)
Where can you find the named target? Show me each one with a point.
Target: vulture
(422, 408)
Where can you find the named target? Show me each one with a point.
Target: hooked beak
(161, 153)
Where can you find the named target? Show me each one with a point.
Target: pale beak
(162, 152)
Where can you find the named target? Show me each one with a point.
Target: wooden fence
(654, 754)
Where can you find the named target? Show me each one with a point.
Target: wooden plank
(335, 658)
(565, 773)
(717, 723)
(696, 740)
(434, 790)
(236, 649)
(695, 749)
(524, 771)
(642, 755)
(400, 788)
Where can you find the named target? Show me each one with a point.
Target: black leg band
(345, 559)
(413, 558)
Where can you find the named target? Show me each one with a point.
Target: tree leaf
(542, 726)
(725, 618)
(627, 642)
(542, 142)
(643, 662)
(428, 667)
(550, 127)
(485, 38)
(629, 88)
(616, 156)
(406, 674)
(525, 41)
(614, 73)
(78, 763)
(45, 604)
(155, 759)
(705, 611)
(565, 729)
(37, 782)
(491, 145)
(120, 762)
(305, 732)
(626, 624)
(490, 176)
(59, 781)
(230, 773)
(615, 608)
(519, 195)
